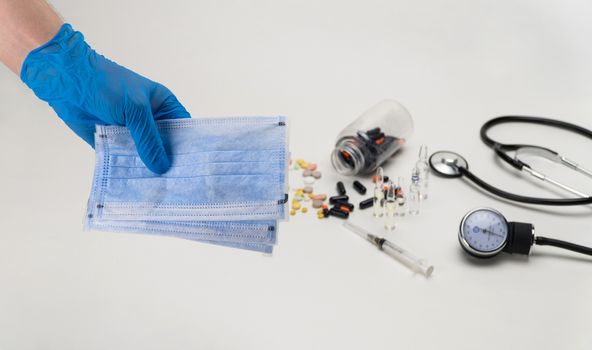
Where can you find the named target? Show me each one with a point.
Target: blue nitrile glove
(85, 89)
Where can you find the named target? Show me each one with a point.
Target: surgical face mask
(227, 183)
(251, 235)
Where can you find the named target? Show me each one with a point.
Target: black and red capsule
(344, 206)
(361, 189)
(367, 203)
(337, 199)
(341, 188)
(338, 213)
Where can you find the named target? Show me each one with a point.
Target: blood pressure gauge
(484, 232)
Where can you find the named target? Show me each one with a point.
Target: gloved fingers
(140, 122)
(165, 104)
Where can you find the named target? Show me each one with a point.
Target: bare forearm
(24, 26)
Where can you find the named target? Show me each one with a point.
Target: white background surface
(453, 64)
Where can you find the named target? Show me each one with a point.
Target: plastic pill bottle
(372, 139)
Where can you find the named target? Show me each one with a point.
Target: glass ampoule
(390, 207)
(378, 193)
(400, 197)
(414, 198)
(424, 171)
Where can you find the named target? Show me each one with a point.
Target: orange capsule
(345, 209)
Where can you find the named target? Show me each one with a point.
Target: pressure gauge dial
(483, 232)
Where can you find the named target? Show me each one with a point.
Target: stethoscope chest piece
(448, 164)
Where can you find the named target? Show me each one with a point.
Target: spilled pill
(309, 180)
(338, 213)
(340, 188)
(367, 203)
(341, 198)
(361, 189)
(320, 197)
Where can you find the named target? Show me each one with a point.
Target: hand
(85, 89)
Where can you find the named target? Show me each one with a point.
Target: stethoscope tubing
(522, 199)
(531, 120)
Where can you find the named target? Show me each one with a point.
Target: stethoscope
(485, 232)
(453, 165)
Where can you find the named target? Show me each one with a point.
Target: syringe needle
(400, 254)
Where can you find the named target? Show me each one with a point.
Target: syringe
(400, 254)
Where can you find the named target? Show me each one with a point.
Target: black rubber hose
(563, 244)
(532, 120)
(523, 199)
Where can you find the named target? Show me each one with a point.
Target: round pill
(309, 180)
(317, 203)
(304, 209)
(320, 197)
(312, 167)
(316, 174)
(296, 206)
(307, 173)
(308, 189)
(292, 212)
